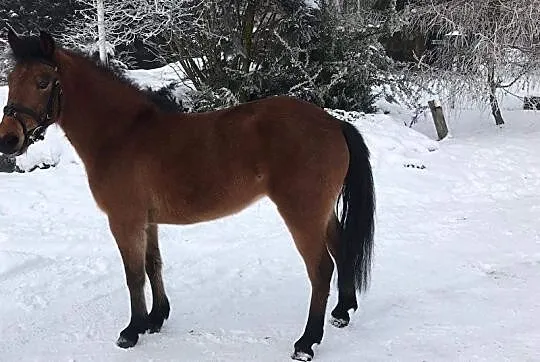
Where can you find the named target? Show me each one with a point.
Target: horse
(148, 166)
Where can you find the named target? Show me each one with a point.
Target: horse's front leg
(131, 239)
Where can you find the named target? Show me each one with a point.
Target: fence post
(438, 119)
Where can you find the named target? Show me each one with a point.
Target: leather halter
(43, 120)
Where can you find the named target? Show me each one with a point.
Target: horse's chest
(112, 192)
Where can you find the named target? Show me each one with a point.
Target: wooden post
(438, 119)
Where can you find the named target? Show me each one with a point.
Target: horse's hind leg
(131, 239)
(309, 234)
(346, 288)
(160, 302)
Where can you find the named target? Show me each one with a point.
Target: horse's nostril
(11, 140)
(8, 143)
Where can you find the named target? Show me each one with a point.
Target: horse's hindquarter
(306, 151)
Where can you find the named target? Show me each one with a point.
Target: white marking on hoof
(123, 342)
(338, 322)
(301, 356)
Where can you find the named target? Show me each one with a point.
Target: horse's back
(282, 139)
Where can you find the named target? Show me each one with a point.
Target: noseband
(43, 120)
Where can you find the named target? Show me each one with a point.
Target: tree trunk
(247, 34)
(495, 110)
(248, 23)
(102, 42)
(495, 15)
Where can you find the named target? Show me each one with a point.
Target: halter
(42, 120)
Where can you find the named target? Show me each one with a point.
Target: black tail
(357, 216)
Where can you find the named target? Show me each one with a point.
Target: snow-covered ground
(456, 275)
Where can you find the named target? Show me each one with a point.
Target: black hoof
(127, 341)
(155, 325)
(340, 318)
(302, 347)
(340, 315)
(157, 317)
(339, 322)
(303, 355)
(130, 335)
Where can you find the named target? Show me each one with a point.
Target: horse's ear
(13, 40)
(46, 43)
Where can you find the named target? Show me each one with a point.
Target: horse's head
(34, 93)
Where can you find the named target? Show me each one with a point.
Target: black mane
(29, 50)
(162, 97)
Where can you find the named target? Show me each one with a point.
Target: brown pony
(146, 166)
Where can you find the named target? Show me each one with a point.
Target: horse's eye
(43, 84)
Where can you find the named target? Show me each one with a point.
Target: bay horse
(147, 166)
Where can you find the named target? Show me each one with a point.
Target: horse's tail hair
(357, 217)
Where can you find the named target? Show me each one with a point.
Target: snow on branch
(478, 47)
(125, 22)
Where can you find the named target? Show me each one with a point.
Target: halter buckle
(37, 134)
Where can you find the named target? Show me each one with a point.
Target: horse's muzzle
(9, 144)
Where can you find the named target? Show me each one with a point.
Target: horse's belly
(209, 205)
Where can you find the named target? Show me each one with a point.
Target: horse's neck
(97, 109)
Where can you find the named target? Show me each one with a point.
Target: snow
(312, 3)
(162, 76)
(455, 276)
(156, 78)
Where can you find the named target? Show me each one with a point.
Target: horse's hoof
(339, 322)
(127, 342)
(155, 328)
(157, 317)
(155, 322)
(302, 356)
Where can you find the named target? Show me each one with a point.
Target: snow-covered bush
(346, 61)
